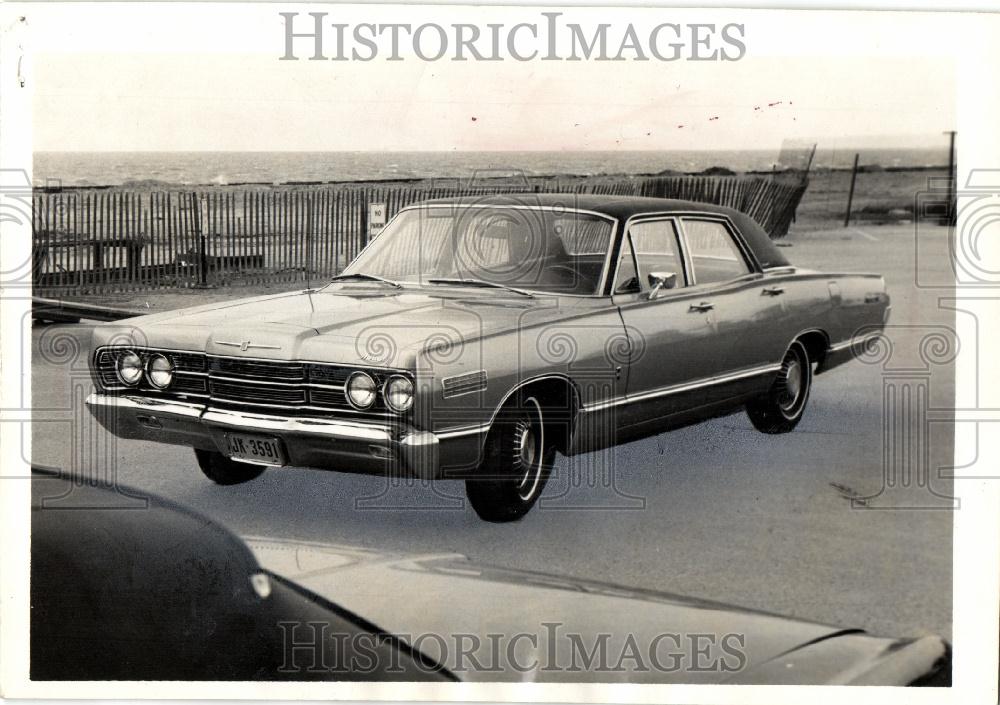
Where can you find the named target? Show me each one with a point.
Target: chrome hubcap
(530, 440)
(793, 379)
(792, 383)
(527, 451)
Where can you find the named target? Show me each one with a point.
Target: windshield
(554, 251)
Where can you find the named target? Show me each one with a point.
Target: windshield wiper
(366, 277)
(481, 283)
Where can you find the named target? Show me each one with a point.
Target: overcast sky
(210, 79)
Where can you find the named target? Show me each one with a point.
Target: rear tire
(780, 410)
(225, 471)
(516, 464)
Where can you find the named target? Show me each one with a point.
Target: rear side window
(715, 256)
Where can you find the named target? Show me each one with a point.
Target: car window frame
(693, 288)
(644, 286)
(749, 260)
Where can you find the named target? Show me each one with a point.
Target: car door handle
(773, 291)
(700, 308)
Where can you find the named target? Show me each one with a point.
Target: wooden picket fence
(102, 241)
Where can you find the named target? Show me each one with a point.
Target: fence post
(309, 226)
(364, 219)
(199, 221)
(850, 193)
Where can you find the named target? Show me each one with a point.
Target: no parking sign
(376, 218)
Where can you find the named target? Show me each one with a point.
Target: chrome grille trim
(296, 407)
(248, 367)
(297, 385)
(227, 382)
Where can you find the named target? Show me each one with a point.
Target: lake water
(118, 168)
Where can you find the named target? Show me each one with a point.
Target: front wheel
(780, 410)
(225, 471)
(517, 461)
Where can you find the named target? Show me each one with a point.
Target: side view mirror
(661, 280)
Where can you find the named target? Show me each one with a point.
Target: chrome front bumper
(323, 443)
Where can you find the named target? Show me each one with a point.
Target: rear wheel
(517, 461)
(225, 471)
(780, 410)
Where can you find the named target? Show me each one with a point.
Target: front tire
(225, 471)
(517, 462)
(780, 410)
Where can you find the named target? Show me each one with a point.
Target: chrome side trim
(525, 382)
(464, 431)
(685, 387)
(836, 347)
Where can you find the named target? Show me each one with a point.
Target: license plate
(255, 449)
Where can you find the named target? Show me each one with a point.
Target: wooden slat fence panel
(93, 242)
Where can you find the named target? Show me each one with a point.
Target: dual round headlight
(159, 371)
(361, 390)
(158, 368)
(397, 392)
(129, 368)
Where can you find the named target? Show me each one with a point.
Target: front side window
(536, 249)
(715, 257)
(656, 250)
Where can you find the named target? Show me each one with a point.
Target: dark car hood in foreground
(363, 324)
(130, 586)
(522, 626)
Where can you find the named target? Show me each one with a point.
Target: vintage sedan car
(474, 338)
(168, 594)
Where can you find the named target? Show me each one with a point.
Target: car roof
(624, 207)
(620, 207)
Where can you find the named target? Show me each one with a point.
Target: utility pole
(951, 214)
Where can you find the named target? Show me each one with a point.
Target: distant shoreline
(155, 184)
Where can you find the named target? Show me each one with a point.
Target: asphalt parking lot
(842, 521)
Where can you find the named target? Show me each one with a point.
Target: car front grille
(256, 393)
(257, 369)
(190, 378)
(260, 386)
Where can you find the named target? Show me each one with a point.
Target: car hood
(524, 626)
(367, 326)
